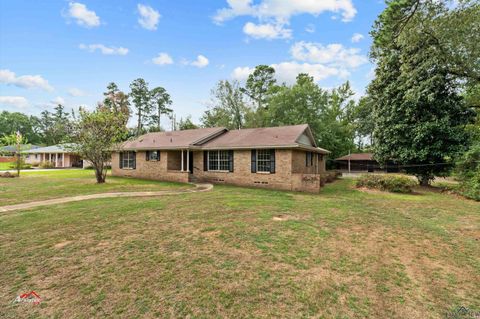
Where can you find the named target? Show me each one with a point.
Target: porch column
(44, 157)
(188, 160)
(182, 162)
(63, 159)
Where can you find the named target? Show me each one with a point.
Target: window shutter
(148, 155)
(230, 158)
(120, 156)
(306, 159)
(272, 161)
(254, 161)
(205, 161)
(312, 157)
(134, 160)
(158, 155)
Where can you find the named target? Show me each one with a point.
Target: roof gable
(174, 139)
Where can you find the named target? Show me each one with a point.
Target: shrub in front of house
(23, 166)
(46, 164)
(388, 183)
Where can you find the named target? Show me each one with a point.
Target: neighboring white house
(59, 155)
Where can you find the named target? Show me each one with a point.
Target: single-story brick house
(59, 155)
(285, 158)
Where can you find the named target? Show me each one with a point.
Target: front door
(190, 162)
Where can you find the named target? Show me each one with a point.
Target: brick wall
(242, 174)
(156, 170)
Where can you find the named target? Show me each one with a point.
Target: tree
(227, 107)
(259, 83)
(20, 143)
(452, 29)
(160, 100)
(97, 134)
(326, 112)
(140, 95)
(12, 122)
(419, 117)
(55, 127)
(363, 122)
(116, 101)
(186, 124)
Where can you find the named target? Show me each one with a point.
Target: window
(263, 160)
(153, 156)
(309, 159)
(127, 160)
(219, 161)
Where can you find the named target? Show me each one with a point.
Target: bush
(46, 164)
(470, 187)
(389, 183)
(329, 176)
(23, 166)
(468, 173)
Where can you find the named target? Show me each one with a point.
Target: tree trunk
(19, 163)
(159, 124)
(139, 123)
(100, 176)
(424, 180)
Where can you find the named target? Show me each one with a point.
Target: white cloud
(283, 10)
(104, 49)
(76, 92)
(266, 31)
(14, 101)
(319, 61)
(83, 16)
(200, 62)
(332, 54)
(162, 59)
(149, 17)
(24, 81)
(288, 71)
(58, 100)
(357, 37)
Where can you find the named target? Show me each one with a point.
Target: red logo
(29, 297)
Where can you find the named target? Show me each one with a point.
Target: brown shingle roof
(172, 140)
(265, 137)
(221, 138)
(357, 157)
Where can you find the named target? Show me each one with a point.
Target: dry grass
(32, 186)
(237, 252)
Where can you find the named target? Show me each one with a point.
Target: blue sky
(67, 51)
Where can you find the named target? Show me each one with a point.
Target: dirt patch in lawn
(62, 244)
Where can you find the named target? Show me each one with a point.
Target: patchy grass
(5, 166)
(236, 252)
(32, 186)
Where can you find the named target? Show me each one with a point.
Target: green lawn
(5, 166)
(237, 252)
(61, 183)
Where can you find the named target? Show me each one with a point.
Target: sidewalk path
(54, 201)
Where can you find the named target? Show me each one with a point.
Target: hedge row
(389, 183)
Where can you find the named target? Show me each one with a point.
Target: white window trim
(270, 161)
(216, 170)
(128, 160)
